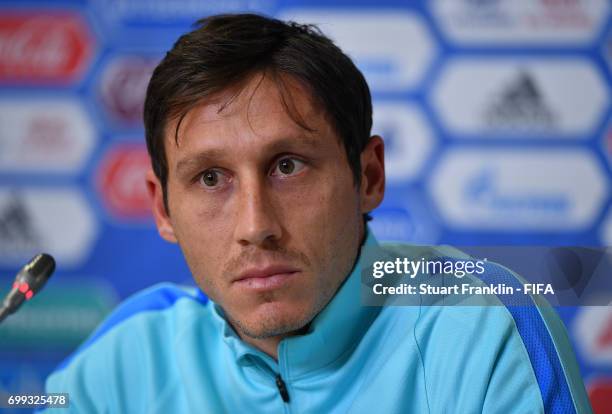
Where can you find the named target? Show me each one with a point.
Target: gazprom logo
(518, 190)
(483, 188)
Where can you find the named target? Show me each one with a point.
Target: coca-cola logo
(121, 181)
(38, 47)
(123, 87)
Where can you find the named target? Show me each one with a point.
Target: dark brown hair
(224, 50)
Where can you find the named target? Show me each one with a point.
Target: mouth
(265, 278)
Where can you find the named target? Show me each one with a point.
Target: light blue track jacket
(169, 350)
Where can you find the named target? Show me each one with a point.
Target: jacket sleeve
(547, 351)
(500, 358)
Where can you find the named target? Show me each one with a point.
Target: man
(264, 172)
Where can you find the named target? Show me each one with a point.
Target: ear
(162, 219)
(372, 188)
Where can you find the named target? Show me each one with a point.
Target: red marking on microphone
(15, 285)
(24, 287)
(29, 294)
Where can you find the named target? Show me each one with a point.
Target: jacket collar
(332, 333)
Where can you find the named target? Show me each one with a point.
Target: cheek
(326, 216)
(334, 202)
(203, 236)
(198, 216)
(342, 220)
(195, 228)
(324, 192)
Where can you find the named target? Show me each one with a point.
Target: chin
(274, 319)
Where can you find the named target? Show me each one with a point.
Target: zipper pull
(282, 388)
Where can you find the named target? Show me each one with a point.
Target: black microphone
(30, 279)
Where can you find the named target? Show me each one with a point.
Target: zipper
(282, 373)
(278, 379)
(282, 388)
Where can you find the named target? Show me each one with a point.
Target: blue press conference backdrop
(495, 113)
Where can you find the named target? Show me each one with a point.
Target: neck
(266, 345)
(270, 345)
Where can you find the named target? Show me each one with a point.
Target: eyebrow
(213, 155)
(191, 162)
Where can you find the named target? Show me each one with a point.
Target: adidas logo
(520, 105)
(17, 234)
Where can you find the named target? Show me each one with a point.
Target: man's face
(267, 214)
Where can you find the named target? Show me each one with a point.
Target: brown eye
(214, 179)
(288, 166)
(209, 178)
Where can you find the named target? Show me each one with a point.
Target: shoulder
(518, 348)
(135, 342)
(153, 309)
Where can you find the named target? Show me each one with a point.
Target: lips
(263, 278)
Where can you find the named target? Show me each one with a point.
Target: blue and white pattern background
(495, 114)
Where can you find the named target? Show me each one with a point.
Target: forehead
(264, 105)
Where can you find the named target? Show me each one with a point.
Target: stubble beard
(271, 326)
(274, 325)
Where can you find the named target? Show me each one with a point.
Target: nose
(257, 220)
